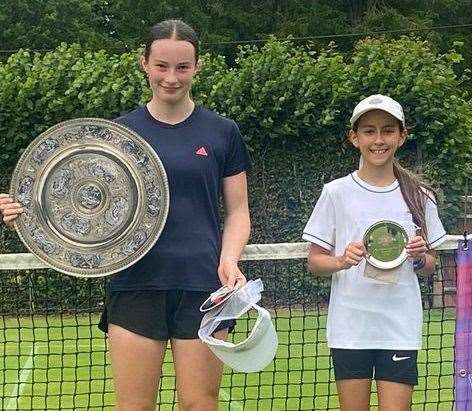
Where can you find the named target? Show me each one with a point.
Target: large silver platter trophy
(95, 196)
(385, 242)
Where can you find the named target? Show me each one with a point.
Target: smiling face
(377, 136)
(170, 65)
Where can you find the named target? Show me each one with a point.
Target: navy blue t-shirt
(197, 154)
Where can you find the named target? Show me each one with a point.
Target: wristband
(419, 263)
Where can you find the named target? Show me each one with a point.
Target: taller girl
(158, 299)
(374, 327)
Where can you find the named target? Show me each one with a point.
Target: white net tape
(277, 251)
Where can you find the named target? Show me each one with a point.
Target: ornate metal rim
(145, 170)
(385, 265)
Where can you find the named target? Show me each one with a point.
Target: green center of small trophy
(385, 241)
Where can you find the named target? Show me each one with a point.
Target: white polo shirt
(365, 313)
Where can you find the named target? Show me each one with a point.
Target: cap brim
(253, 354)
(367, 109)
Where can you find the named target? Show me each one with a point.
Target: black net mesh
(53, 357)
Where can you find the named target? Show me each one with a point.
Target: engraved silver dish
(95, 196)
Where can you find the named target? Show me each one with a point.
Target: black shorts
(157, 314)
(397, 366)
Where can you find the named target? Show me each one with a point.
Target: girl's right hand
(353, 255)
(9, 209)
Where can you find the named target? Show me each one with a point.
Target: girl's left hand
(416, 248)
(230, 274)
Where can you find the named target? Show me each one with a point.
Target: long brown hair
(414, 190)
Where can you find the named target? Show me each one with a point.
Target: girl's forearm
(324, 264)
(236, 231)
(429, 266)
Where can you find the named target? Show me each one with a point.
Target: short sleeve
(237, 158)
(321, 226)
(436, 232)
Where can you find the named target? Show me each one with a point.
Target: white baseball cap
(378, 102)
(258, 350)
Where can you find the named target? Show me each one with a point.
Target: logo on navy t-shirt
(201, 152)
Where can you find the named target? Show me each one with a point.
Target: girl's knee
(135, 404)
(202, 402)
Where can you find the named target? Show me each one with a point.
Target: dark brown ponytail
(415, 193)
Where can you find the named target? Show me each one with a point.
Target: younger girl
(374, 327)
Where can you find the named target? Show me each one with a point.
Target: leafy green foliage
(292, 104)
(121, 24)
(39, 24)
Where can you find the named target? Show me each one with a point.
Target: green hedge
(292, 104)
(283, 97)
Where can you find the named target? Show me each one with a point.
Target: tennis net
(53, 357)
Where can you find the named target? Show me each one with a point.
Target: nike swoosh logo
(395, 358)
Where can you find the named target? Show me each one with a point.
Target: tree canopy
(118, 25)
